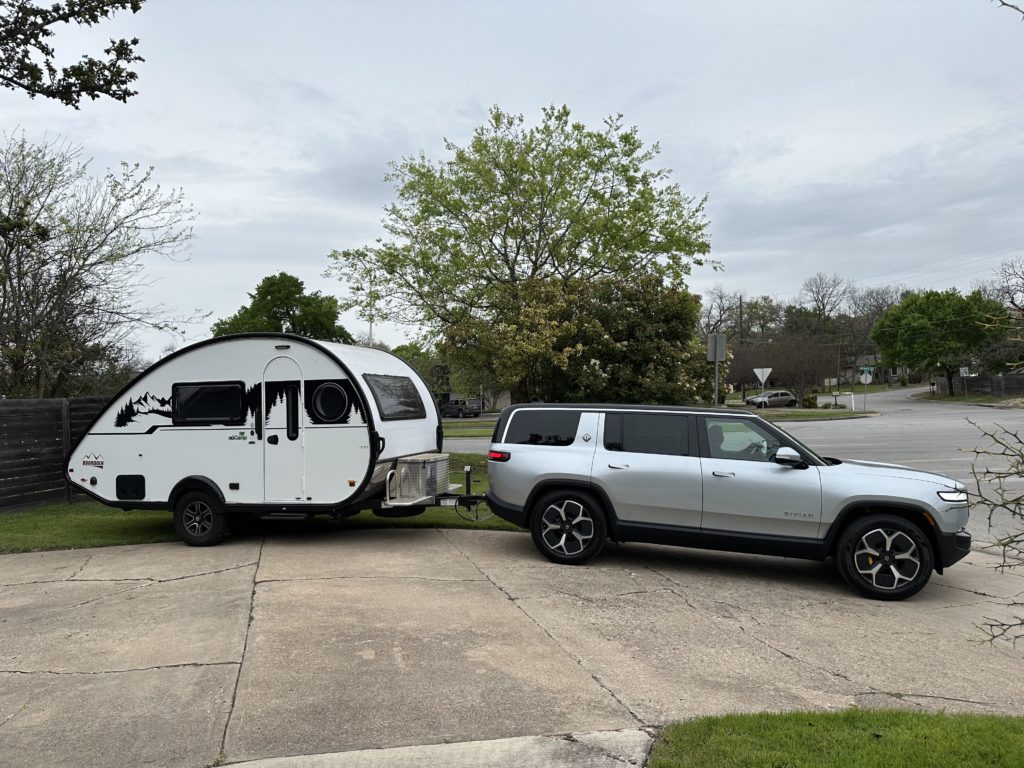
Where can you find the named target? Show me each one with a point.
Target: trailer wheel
(199, 519)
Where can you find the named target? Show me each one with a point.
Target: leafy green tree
(940, 329)
(71, 250)
(604, 339)
(427, 364)
(281, 304)
(27, 57)
(469, 238)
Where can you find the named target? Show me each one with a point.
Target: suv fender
(598, 493)
(859, 509)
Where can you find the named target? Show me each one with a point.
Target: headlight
(956, 497)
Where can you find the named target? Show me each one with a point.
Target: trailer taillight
(498, 455)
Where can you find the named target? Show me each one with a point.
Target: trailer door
(284, 431)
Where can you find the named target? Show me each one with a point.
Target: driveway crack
(245, 645)
(579, 661)
(67, 673)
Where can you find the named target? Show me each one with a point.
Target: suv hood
(878, 469)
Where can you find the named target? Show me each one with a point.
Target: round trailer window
(330, 401)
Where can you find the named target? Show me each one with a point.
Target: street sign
(762, 374)
(964, 372)
(716, 347)
(865, 378)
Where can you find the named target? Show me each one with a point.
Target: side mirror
(789, 457)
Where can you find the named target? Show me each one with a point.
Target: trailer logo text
(93, 460)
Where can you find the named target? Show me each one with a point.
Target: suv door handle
(719, 473)
(618, 466)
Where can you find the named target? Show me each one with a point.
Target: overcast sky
(880, 139)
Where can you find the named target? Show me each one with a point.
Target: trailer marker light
(498, 455)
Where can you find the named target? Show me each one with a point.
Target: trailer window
(209, 403)
(396, 396)
(291, 393)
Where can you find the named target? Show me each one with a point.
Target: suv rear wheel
(885, 557)
(568, 527)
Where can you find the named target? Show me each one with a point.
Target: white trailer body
(257, 423)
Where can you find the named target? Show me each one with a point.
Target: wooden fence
(35, 436)
(1001, 385)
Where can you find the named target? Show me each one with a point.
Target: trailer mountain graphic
(148, 404)
(275, 396)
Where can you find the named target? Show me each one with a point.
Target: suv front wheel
(568, 527)
(885, 557)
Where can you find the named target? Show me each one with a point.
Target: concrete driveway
(456, 648)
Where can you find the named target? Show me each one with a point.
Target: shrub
(810, 400)
(903, 380)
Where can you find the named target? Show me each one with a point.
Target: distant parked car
(461, 408)
(774, 399)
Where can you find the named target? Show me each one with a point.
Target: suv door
(744, 491)
(647, 465)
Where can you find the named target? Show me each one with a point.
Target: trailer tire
(199, 519)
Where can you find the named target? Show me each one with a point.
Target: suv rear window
(660, 433)
(543, 427)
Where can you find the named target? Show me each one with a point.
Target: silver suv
(578, 474)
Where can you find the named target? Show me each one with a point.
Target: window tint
(544, 427)
(396, 397)
(214, 403)
(740, 439)
(660, 433)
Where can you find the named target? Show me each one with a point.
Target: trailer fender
(195, 483)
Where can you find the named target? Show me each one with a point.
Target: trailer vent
(419, 477)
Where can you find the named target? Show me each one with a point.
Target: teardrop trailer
(268, 424)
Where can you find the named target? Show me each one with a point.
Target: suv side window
(543, 427)
(660, 433)
(739, 439)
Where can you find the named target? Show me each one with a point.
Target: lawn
(90, 524)
(853, 738)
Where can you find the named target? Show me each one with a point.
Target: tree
(280, 304)
(605, 339)
(427, 364)
(1011, 6)
(826, 294)
(70, 262)
(26, 30)
(719, 312)
(942, 330)
(518, 207)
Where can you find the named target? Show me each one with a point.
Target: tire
(791, 403)
(460, 414)
(885, 557)
(199, 519)
(568, 527)
(762, 404)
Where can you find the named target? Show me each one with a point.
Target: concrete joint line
(550, 636)
(597, 750)
(186, 665)
(245, 647)
(369, 578)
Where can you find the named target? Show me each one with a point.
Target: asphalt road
(933, 436)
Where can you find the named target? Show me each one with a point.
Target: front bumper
(953, 547)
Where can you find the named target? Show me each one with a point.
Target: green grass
(90, 524)
(854, 738)
(469, 428)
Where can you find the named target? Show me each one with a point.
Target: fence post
(65, 423)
